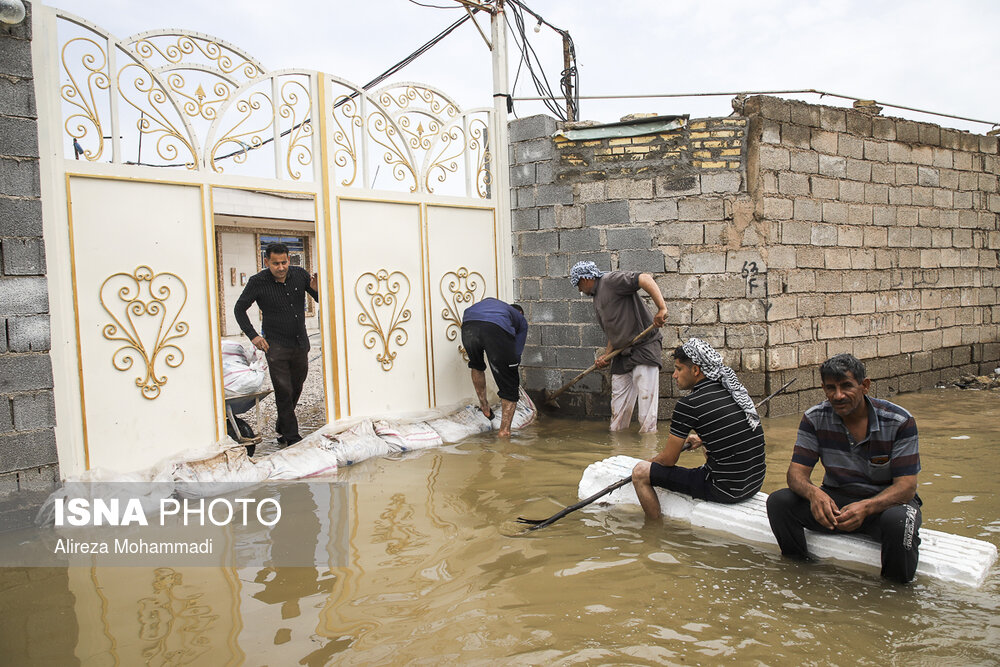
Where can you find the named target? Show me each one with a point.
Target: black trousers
(479, 338)
(288, 367)
(896, 529)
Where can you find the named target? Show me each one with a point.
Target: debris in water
(991, 381)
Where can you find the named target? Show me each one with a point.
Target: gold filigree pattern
(410, 97)
(383, 297)
(383, 131)
(451, 146)
(144, 310)
(479, 145)
(199, 103)
(345, 139)
(299, 150)
(218, 53)
(460, 289)
(202, 102)
(239, 137)
(153, 103)
(174, 625)
(79, 124)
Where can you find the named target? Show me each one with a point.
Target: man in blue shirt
(498, 330)
(869, 450)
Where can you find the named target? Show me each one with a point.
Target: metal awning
(629, 128)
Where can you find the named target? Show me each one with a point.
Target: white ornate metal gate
(136, 134)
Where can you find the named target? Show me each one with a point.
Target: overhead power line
(812, 91)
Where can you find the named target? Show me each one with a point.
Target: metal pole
(567, 64)
(499, 151)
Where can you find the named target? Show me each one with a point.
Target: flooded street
(437, 572)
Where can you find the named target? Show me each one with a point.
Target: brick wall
(882, 241)
(28, 459)
(673, 204)
(782, 236)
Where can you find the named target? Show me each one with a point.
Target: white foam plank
(946, 557)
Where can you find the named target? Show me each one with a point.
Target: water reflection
(428, 574)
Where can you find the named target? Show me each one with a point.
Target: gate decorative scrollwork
(204, 104)
(145, 310)
(383, 297)
(460, 289)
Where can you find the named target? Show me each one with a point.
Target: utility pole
(499, 147)
(567, 66)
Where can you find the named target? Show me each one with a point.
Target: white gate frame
(162, 60)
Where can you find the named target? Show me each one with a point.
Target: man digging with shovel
(635, 371)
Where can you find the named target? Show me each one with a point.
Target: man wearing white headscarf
(635, 373)
(719, 415)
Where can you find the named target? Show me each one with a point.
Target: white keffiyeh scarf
(704, 355)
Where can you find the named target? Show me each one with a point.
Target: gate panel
(140, 279)
(461, 251)
(384, 317)
(134, 136)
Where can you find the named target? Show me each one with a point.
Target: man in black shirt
(280, 293)
(723, 419)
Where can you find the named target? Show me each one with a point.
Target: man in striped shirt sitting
(719, 415)
(869, 451)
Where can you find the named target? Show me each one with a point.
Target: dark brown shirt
(623, 316)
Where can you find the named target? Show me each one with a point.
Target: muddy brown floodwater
(433, 574)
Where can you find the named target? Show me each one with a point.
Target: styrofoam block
(951, 558)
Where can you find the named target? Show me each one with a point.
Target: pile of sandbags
(227, 467)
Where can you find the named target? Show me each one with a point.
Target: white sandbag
(218, 474)
(355, 444)
(524, 412)
(406, 437)
(307, 458)
(243, 371)
(468, 421)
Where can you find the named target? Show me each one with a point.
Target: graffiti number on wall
(749, 274)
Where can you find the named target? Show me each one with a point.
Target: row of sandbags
(318, 454)
(330, 447)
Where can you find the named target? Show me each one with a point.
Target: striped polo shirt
(865, 468)
(736, 462)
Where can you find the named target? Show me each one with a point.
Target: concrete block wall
(783, 236)
(882, 240)
(674, 205)
(28, 460)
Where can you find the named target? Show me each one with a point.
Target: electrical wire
(541, 83)
(422, 4)
(568, 77)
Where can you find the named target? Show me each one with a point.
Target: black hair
(681, 356)
(837, 367)
(275, 249)
(517, 308)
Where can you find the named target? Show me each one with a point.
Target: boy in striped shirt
(719, 415)
(870, 455)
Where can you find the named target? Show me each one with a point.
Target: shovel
(535, 524)
(550, 397)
